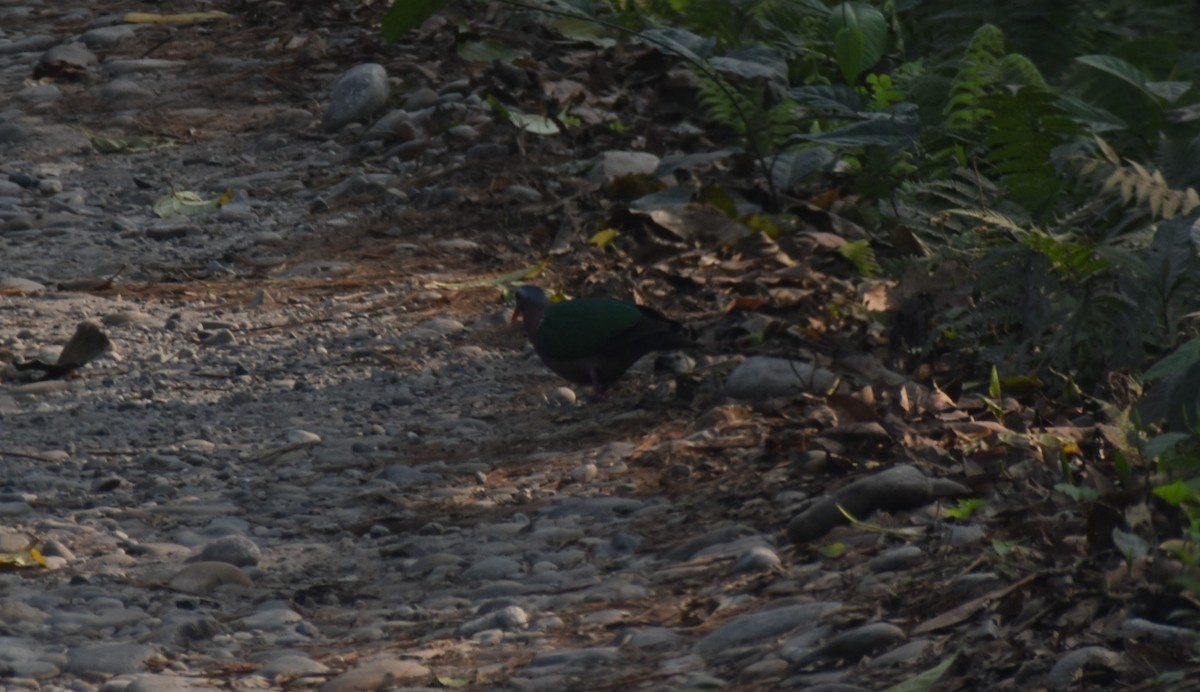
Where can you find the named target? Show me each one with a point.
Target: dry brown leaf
(744, 303)
(702, 223)
(967, 610)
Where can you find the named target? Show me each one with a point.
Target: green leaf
(1174, 494)
(1094, 118)
(720, 199)
(678, 197)
(1169, 91)
(898, 128)
(859, 34)
(586, 30)
(1121, 70)
(835, 98)
(754, 62)
(883, 91)
(926, 680)
(994, 384)
(1183, 358)
(1161, 444)
(793, 167)
(849, 46)
(832, 550)
(1131, 545)
(120, 144)
(185, 203)
(862, 256)
(1121, 464)
(679, 42)
(405, 15)
(536, 124)
(966, 508)
(1078, 493)
(488, 51)
(670, 164)
(604, 237)
(1003, 548)
(764, 224)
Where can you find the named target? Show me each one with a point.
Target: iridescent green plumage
(583, 327)
(594, 340)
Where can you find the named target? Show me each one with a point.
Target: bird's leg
(597, 389)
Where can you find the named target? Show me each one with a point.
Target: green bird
(593, 341)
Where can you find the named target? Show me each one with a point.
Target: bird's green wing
(584, 328)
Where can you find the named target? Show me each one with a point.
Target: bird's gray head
(531, 303)
(531, 295)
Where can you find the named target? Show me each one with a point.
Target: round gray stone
(356, 95)
(109, 659)
(235, 550)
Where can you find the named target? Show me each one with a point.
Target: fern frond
(1149, 189)
(1026, 127)
(1135, 184)
(741, 108)
(991, 218)
(862, 256)
(1019, 70)
(986, 70)
(976, 76)
(723, 103)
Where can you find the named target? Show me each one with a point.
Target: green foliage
(978, 75)
(1025, 127)
(883, 91)
(744, 110)
(406, 15)
(860, 35)
(1078, 493)
(966, 508)
(862, 257)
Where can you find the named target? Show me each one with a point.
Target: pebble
(302, 437)
(756, 559)
(585, 473)
(853, 644)
(207, 577)
(123, 93)
(561, 396)
(68, 56)
(493, 568)
(109, 659)
(1067, 669)
(752, 627)
(108, 36)
(235, 550)
(153, 682)
(356, 95)
(379, 674)
(614, 164)
(763, 377)
(291, 665)
(223, 337)
(19, 286)
(11, 132)
(420, 98)
(896, 558)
